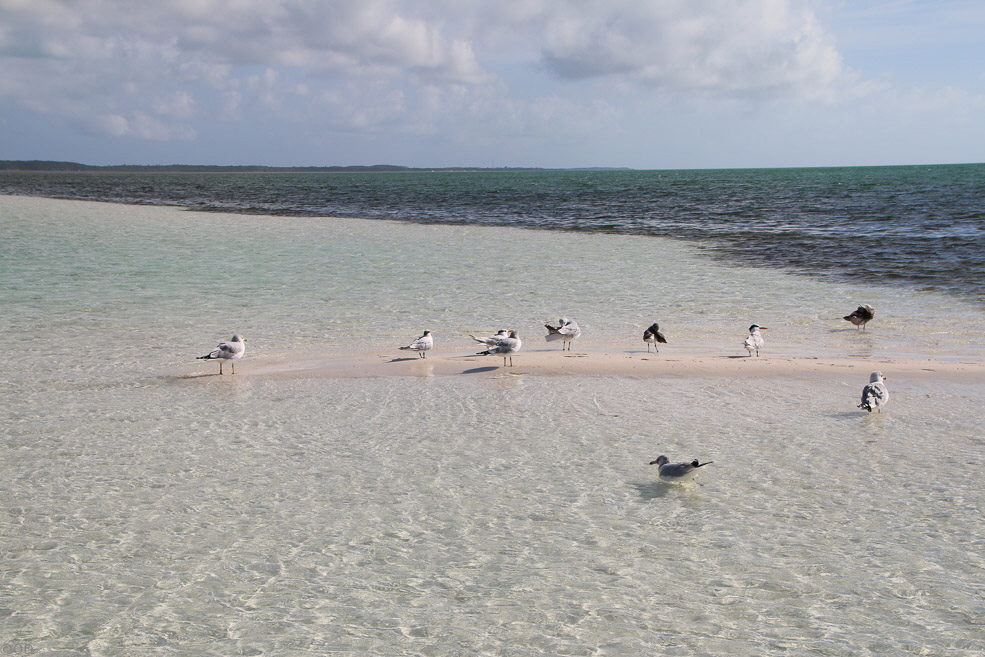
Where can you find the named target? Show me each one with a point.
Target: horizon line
(69, 166)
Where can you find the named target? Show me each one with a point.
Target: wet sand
(639, 364)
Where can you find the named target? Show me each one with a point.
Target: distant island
(46, 165)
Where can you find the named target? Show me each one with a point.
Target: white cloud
(172, 49)
(142, 126)
(722, 47)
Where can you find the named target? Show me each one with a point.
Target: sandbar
(553, 362)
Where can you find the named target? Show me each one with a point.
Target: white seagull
(231, 351)
(421, 344)
(677, 471)
(504, 347)
(567, 331)
(491, 340)
(755, 340)
(875, 393)
(652, 336)
(861, 315)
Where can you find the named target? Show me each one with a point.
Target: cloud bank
(573, 77)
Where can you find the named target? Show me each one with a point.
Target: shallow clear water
(921, 227)
(148, 512)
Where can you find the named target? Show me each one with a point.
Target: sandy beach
(544, 362)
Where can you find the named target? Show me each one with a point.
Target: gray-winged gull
(567, 332)
(875, 393)
(231, 351)
(677, 471)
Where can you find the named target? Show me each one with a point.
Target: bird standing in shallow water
(676, 471)
(755, 340)
(652, 336)
(231, 351)
(875, 394)
(567, 332)
(421, 344)
(504, 347)
(861, 315)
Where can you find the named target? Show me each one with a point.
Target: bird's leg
(233, 365)
(220, 368)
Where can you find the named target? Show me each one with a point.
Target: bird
(231, 351)
(861, 316)
(491, 340)
(875, 393)
(421, 344)
(652, 336)
(755, 340)
(504, 347)
(566, 331)
(677, 471)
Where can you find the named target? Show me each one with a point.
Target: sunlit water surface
(149, 512)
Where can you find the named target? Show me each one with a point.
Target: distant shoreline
(75, 167)
(52, 166)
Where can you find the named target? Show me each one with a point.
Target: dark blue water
(921, 226)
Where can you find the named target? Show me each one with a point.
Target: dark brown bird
(861, 316)
(652, 336)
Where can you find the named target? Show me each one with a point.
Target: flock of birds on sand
(506, 342)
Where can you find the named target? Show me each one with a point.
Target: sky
(646, 84)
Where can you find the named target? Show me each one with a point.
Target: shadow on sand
(479, 370)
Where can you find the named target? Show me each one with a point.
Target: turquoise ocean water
(916, 226)
(148, 510)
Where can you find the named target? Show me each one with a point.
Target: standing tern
(231, 351)
(421, 344)
(504, 347)
(491, 340)
(677, 471)
(652, 336)
(567, 332)
(875, 393)
(755, 340)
